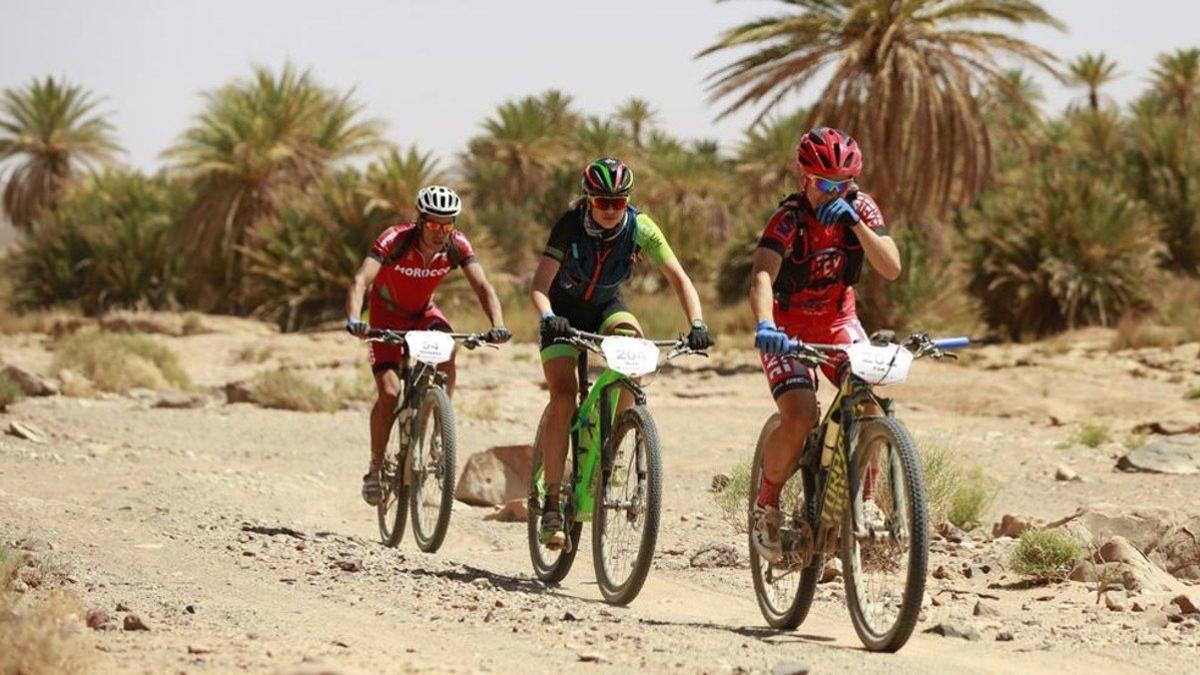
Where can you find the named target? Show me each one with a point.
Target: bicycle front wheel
(627, 506)
(432, 491)
(784, 592)
(392, 510)
(549, 565)
(885, 562)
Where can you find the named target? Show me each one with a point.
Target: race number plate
(879, 364)
(430, 346)
(629, 355)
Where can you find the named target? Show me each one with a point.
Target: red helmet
(829, 153)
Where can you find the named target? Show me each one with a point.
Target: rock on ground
(496, 476)
(1119, 564)
(1179, 455)
(31, 383)
(514, 511)
(1013, 526)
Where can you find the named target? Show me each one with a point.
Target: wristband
(547, 315)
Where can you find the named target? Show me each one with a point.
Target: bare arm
(881, 251)
(485, 292)
(542, 278)
(362, 280)
(685, 290)
(765, 267)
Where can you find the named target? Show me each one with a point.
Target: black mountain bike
(419, 466)
(858, 493)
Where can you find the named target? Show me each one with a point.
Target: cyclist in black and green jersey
(591, 253)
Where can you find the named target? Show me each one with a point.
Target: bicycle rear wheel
(784, 592)
(625, 525)
(392, 510)
(432, 489)
(885, 573)
(550, 566)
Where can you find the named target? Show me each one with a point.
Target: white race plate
(879, 364)
(430, 346)
(629, 355)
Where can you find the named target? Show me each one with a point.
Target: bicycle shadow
(769, 635)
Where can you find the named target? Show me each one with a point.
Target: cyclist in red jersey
(405, 266)
(802, 287)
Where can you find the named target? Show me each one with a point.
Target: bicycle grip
(952, 343)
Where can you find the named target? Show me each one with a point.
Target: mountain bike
(419, 468)
(853, 459)
(613, 471)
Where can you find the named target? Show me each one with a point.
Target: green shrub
(1191, 394)
(1062, 247)
(1092, 435)
(10, 392)
(1045, 555)
(109, 245)
(118, 362)
(734, 499)
(956, 494)
(285, 390)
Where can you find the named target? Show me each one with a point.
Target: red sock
(768, 492)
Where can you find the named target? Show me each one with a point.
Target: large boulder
(1173, 454)
(31, 383)
(496, 476)
(1171, 540)
(1117, 563)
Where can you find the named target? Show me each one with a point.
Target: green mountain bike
(858, 493)
(613, 472)
(419, 466)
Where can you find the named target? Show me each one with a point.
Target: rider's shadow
(769, 635)
(467, 574)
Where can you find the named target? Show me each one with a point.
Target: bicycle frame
(596, 412)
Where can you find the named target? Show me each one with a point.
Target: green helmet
(607, 177)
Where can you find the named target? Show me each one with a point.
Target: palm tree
(51, 130)
(903, 77)
(1092, 71)
(393, 180)
(1176, 80)
(517, 153)
(258, 144)
(766, 158)
(597, 137)
(637, 114)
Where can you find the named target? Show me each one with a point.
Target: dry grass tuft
(118, 362)
(956, 493)
(1139, 333)
(360, 387)
(285, 390)
(1092, 435)
(10, 392)
(1045, 555)
(38, 634)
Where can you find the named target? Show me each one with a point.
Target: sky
(433, 70)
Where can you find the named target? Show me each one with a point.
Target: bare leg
(798, 413)
(564, 386)
(387, 383)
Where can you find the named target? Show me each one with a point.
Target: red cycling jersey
(814, 291)
(404, 287)
(821, 263)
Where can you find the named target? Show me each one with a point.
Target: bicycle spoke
(881, 564)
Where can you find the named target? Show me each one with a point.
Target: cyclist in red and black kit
(802, 287)
(405, 266)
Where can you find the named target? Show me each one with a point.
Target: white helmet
(438, 200)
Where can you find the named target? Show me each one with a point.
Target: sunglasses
(831, 187)
(444, 227)
(609, 203)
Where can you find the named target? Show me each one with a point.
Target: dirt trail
(166, 510)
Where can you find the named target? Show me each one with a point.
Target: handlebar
(468, 340)
(589, 341)
(952, 343)
(920, 343)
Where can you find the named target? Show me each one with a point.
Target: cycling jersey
(593, 269)
(821, 263)
(404, 287)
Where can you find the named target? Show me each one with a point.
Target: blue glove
(769, 339)
(837, 211)
(357, 328)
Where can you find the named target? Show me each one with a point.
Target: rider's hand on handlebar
(553, 326)
(699, 338)
(497, 335)
(769, 339)
(357, 328)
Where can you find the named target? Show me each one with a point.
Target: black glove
(357, 328)
(699, 338)
(497, 335)
(554, 326)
